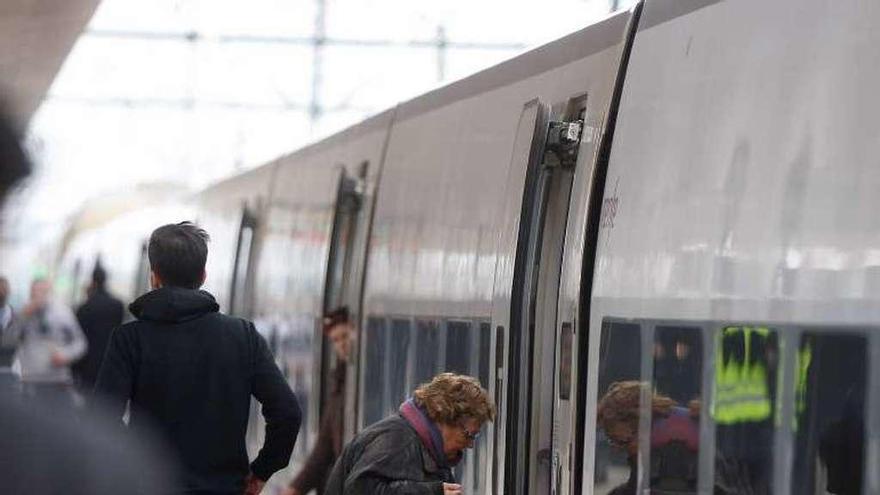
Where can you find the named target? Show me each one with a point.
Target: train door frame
(581, 468)
(142, 271)
(241, 302)
(546, 151)
(563, 351)
(339, 276)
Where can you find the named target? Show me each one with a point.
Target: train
(680, 196)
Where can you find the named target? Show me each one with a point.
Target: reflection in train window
(746, 375)
(427, 350)
(676, 404)
(830, 379)
(374, 362)
(458, 347)
(617, 428)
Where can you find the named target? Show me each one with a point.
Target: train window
(374, 362)
(485, 346)
(480, 449)
(397, 349)
(427, 351)
(829, 424)
(459, 350)
(746, 377)
(617, 428)
(675, 409)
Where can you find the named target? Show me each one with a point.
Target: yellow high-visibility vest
(742, 394)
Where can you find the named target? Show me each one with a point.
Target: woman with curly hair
(413, 452)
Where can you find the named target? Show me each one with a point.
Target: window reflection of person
(674, 437)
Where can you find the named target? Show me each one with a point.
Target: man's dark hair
(335, 317)
(14, 164)
(178, 253)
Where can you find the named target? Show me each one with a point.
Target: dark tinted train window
(427, 350)
(746, 377)
(479, 451)
(830, 379)
(458, 347)
(396, 357)
(375, 365)
(485, 346)
(620, 356)
(676, 405)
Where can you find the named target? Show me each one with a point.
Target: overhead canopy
(35, 38)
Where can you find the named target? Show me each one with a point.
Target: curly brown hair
(620, 405)
(450, 398)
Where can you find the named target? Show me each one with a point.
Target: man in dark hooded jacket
(98, 316)
(191, 371)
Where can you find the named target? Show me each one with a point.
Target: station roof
(35, 38)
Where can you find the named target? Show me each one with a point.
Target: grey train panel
(741, 189)
(449, 203)
(291, 276)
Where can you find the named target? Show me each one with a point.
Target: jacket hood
(173, 305)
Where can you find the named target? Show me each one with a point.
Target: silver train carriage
(679, 198)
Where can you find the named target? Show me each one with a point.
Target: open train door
(241, 300)
(241, 288)
(344, 278)
(527, 281)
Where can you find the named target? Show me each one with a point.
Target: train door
(241, 293)
(525, 318)
(241, 299)
(344, 275)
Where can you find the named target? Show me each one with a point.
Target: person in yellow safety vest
(804, 359)
(742, 393)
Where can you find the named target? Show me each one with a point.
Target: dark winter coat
(313, 475)
(98, 316)
(388, 458)
(191, 371)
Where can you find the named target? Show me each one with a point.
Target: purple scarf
(426, 429)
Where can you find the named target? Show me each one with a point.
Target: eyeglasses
(470, 435)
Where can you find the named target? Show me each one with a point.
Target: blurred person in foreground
(98, 316)
(48, 340)
(338, 329)
(43, 452)
(413, 452)
(193, 370)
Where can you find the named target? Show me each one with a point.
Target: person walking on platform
(413, 452)
(48, 339)
(42, 451)
(98, 316)
(190, 371)
(338, 329)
